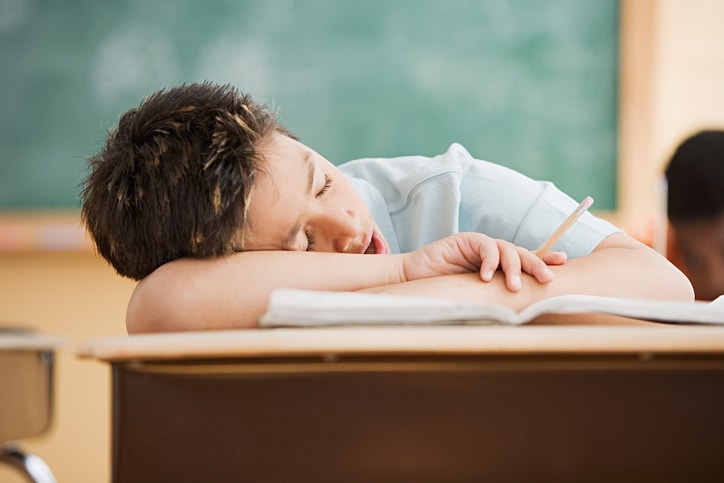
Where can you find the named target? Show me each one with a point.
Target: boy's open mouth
(371, 247)
(376, 246)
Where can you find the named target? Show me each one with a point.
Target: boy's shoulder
(414, 167)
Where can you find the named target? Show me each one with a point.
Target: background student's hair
(695, 177)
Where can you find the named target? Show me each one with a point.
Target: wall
(672, 73)
(680, 71)
(689, 72)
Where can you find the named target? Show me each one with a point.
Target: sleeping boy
(205, 198)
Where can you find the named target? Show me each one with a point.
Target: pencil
(581, 209)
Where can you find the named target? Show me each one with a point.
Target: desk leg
(32, 466)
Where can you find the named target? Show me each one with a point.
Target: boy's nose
(337, 229)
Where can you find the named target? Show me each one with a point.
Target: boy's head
(175, 177)
(695, 177)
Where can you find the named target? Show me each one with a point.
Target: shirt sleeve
(504, 203)
(419, 200)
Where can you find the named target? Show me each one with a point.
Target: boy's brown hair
(174, 179)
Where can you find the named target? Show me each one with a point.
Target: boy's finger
(489, 258)
(555, 258)
(510, 263)
(533, 265)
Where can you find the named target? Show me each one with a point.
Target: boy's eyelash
(327, 184)
(309, 234)
(310, 240)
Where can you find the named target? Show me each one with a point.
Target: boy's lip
(375, 244)
(369, 244)
(380, 244)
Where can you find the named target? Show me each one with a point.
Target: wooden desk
(553, 403)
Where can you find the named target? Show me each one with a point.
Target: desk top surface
(20, 339)
(438, 340)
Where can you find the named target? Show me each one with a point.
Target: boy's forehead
(281, 142)
(288, 162)
(278, 193)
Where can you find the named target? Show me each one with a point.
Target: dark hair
(174, 179)
(695, 177)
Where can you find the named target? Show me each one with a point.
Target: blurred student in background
(695, 208)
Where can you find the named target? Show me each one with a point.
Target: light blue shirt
(416, 200)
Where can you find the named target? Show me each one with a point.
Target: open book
(301, 308)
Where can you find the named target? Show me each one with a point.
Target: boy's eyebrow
(311, 170)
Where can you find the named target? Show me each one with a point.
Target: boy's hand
(468, 252)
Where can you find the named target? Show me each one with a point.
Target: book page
(291, 307)
(288, 307)
(653, 310)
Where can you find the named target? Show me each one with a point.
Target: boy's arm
(618, 267)
(232, 292)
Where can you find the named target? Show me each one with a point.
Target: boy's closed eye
(310, 240)
(308, 233)
(325, 188)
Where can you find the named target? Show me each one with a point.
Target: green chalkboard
(530, 84)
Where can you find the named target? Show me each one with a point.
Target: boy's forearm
(232, 292)
(623, 267)
(619, 267)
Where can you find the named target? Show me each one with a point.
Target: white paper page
(306, 307)
(658, 310)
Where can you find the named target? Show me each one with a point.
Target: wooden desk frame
(421, 404)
